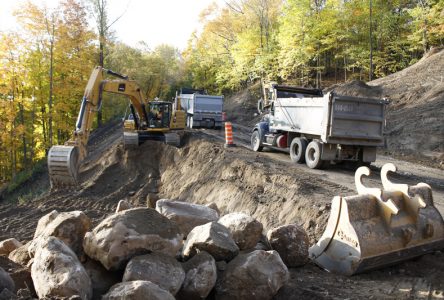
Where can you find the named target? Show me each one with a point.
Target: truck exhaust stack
(377, 228)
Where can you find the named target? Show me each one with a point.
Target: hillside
(415, 115)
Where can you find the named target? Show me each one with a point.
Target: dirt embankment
(415, 115)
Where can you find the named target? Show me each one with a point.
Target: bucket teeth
(377, 228)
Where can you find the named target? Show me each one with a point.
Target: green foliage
(307, 41)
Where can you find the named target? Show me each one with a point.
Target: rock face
(20, 255)
(56, 271)
(9, 245)
(246, 231)
(6, 281)
(291, 242)
(129, 233)
(200, 277)
(69, 227)
(186, 215)
(257, 275)
(161, 269)
(213, 238)
(137, 290)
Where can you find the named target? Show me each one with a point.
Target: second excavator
(151, 120)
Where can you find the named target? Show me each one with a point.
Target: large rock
(18, 273)
(56, 271)
(186, 215)
(200, 277)
(137, 290)
(101, 279)
(9, 245)
(129, 233)
(69, 227)
(21, 255)
(291, 242)
(246, 231)
(257, 275)
(161, 269)
(6, 281)
(213, 238)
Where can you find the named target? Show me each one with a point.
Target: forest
(45, 64)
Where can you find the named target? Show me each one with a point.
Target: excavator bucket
(377, 228)
(62, 165)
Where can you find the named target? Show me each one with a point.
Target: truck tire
(313, 155)
(190, 124)
(256, 143)
(298, 147)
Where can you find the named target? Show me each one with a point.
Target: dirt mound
(200, 172)
(241, 107)
(415, 122)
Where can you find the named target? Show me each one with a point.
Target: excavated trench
(203, 171)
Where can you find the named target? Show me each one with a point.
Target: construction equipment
(202, 110)
(316, 128)
(154, 120)
(378, 228)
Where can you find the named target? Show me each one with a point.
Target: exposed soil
(265, 185)
(415, 115)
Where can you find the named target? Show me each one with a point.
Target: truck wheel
(297, 150)
(313, 155)
(256, 143)
(191, 122)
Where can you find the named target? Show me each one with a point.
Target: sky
(152, 21)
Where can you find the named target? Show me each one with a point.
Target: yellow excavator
(150, 120)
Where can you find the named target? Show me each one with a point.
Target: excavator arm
(63, 160)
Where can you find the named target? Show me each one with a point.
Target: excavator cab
(159, 114)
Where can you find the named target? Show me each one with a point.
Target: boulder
(137, 290)
(123, 205)
(20, 255)
(18, 273)
(69, 227)
(213, 238)
(101, 279)
(6, 281)
(56, 271)
(246, 231)
(44, 222)
(213, 205)
(257, 275)
(186, 215)
(129, 233)
(9, 245)
(6, 294)
(291, 242)
(200, 277)
(159, 268)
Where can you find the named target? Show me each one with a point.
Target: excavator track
(63, 166)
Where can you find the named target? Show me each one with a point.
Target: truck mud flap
(378, 228)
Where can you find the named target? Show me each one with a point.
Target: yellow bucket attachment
(377, 228)
(63, 165)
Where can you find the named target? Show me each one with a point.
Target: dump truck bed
(335, 119)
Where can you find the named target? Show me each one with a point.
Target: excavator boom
(63, 160)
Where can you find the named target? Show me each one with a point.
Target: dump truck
(202, 110)
(316, 128)
(151, 120)
(379, 227)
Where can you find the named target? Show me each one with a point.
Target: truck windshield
(285, 94)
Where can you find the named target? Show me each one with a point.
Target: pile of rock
(178, 250)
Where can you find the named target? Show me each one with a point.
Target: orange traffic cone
(229, 135)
